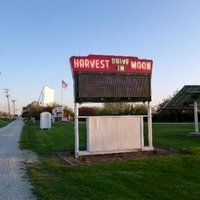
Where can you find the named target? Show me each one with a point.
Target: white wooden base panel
(114, 134)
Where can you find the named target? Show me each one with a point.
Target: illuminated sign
(100, 63)
(101, 78)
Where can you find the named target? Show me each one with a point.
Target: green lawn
(4, 122)
(165, 177)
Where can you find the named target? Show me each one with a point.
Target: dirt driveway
(13, 182)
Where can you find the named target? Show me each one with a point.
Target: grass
(175, 137)
(4, 122)
(168, 177)
(59, 138)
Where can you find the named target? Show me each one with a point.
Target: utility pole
(13, 101)
(7, 91)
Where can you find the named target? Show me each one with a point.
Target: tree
(118, 108)
(68, 112)
(123, 108)
(34, 109)
(173, 114)
(139, 109)
(88, 111)
(31, 110)
(161, 105)
(3, 114)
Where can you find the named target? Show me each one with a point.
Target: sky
(37, 38)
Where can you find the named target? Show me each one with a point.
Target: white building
(47, 96)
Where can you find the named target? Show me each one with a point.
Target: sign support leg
(142, 132)
(76, 130)
(150, 126)
(196, 117)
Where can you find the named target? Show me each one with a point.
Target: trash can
(45, 120)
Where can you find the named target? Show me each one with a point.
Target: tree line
(34, 109)
(159, 113)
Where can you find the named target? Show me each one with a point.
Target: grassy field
(4, 122)
(165, 177)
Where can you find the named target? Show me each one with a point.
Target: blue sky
(37, 38)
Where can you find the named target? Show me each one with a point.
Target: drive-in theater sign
(109, 78)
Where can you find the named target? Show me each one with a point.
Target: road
(13, 180)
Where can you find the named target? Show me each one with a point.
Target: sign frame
(124, 65)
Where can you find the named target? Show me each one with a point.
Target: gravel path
(13, 182)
